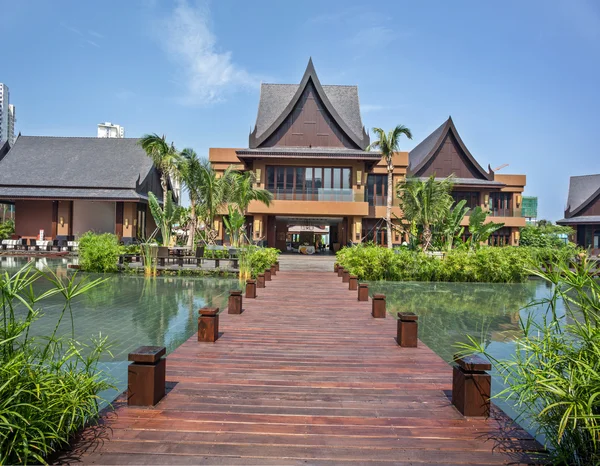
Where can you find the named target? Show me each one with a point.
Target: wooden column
(234, 305)
(267, 275)
(208, 324)
(378, 306)
(251, 288)
(345, 276)
(353, 283)
(407, 335)
(471, 386)
(363, 292)
(146, 376)
(260, 282)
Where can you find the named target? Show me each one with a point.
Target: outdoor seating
(199, 255)
(163, 255)
(72, 246)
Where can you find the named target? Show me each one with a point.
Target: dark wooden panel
(309, 125)
(592, 209)
(450, 159)
(119, 219)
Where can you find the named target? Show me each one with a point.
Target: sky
(521, 79)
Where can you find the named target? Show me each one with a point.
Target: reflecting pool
(130, 310)
(451, 312)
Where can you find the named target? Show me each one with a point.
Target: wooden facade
(308, 148)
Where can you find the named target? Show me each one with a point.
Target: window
(310, 183)
(472, 198)
(376, 192)
(501, 204)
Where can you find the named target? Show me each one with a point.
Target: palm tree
(165, 158)
(244, 191)
(388, 144)
(190, 172)
(426, 203)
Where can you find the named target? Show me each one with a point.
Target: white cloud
(207, 73)
(91, 42)
(95, 34)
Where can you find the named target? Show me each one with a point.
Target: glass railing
(505, 213)
(316, 194)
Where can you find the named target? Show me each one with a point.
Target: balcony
(314, 194)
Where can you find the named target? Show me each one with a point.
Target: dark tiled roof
(278, 100)
(70, 193)
(425, 147)
(583, 219)
(75, 162)
(275, 97)
(582, 189)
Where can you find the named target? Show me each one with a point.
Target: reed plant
(49, 385)
(149, 252)
(553, 378)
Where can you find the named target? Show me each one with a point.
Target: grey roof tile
(581, 188)
(582, 219)
(75, 162)
(69, 193)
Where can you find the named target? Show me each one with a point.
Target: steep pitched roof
(582, 190)
(426, 150)
(278, 100)
(75, 163)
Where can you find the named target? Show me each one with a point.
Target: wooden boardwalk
(304, 375)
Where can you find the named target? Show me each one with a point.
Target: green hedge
(487, 264)
(257, 259)
(99, 253)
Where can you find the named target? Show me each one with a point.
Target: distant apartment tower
(7, 116)
(108, 130)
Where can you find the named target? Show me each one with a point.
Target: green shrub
(99, 253)
(7, 229)
(553, 378)
(544, 236)
(49, 385)
(486, 264)
(130, 249)
(256, 259)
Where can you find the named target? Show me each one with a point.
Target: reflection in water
(130, 310)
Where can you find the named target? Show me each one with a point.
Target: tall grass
(554, 376)
(48, 385)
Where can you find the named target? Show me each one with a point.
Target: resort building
(310, 149)
(583, 211)
(7, 116)
(63, 187)
(109, 130)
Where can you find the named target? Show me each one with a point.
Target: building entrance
(307, 235)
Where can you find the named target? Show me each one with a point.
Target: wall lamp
(126, 223)
(62, 221)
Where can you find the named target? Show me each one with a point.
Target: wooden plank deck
(304, 375)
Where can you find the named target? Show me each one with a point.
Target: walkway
(303, 376)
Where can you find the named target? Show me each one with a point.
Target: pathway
(303, 376)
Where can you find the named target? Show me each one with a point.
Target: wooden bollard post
(471, 386)
(234, 305)
(251, 288)
(408, 330)
(363, 292)
(267, 275)
(208, 324)
(340, 271)
(260, 282)
(378, 306)
(336, 266)
(353, 283)
(277, 265)
(146, 376)
(346, 276)
(273, 270)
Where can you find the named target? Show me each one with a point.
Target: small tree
(164, 216)
(389, 144)
(451, 228)
(165, 157)
(480, 231)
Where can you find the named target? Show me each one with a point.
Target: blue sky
(520, 78)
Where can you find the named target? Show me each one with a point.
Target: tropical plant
(7, 229)
(99, 252)
(451, 227)
(165, 157)
(234, 224)
(553, 378)
(545, 235)
(427, 203)
(149, 252)
(190, 172)
(244, 191)
(389, 144)
(164, 216)
(479, 230)
(49, 385)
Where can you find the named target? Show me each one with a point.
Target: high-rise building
(108, 130)
(7, 116)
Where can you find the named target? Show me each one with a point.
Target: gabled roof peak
(276, 106)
